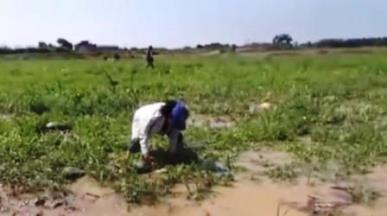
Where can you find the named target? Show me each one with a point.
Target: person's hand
(148, 158)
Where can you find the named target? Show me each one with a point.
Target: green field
(327, 109)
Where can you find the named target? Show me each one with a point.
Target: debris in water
(320, 207)
(159, 171)
(57, 204)
(73, 173)
(215, 166)
(55, 126)
(143, 167)
(257, 108)
(71, 208)
(92, 196)
(40, 201)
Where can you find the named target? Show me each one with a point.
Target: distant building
(108, 49)
(85, 47)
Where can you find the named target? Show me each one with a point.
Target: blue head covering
(179, 115)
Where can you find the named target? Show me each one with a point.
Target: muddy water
(88, 198)
(251, 198)
(212, 122)
(92, 199)
(377, 179)
(246, 197)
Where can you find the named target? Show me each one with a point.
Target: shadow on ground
(163, 158)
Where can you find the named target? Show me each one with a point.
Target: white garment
(148, 120)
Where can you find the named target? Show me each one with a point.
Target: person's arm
(176, 141)
(144, 144)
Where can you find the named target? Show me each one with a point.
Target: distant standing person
(149, 58)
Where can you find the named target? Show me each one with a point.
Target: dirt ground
(247, 196)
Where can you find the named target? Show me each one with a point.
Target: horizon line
(19, 46)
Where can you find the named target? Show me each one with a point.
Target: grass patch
(338, 100)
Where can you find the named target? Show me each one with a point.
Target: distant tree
(65, 44)
(134, 49)
(282, 40)
(5, 50)
(42, 45)
(352, 42)
(51, 46)
(233, 48)
(199, 46)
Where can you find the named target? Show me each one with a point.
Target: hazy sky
(175, 23)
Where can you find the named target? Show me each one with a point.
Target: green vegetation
(326, 109)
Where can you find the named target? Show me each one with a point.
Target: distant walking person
(149, 58)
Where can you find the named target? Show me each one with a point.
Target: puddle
(248, 197)
(256, 162)
(93, 199)
(88, 198)
(244, 197)
(199, 120)
(377, 179)
(253, 159)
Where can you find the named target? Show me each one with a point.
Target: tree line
(280, 41)
(62, 47)
(285, 40)
(350, 43)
